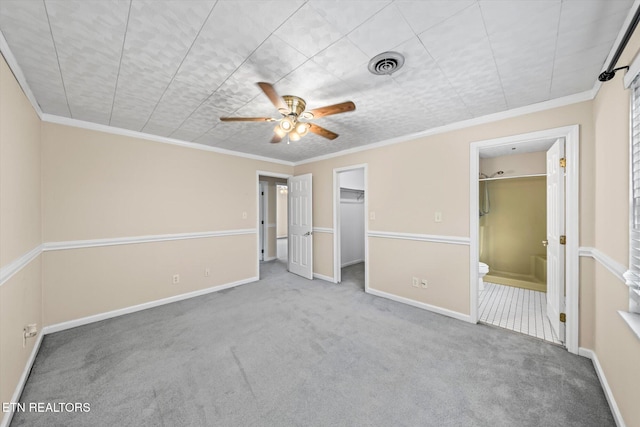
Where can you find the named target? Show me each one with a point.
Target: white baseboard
(132, 309)
(323, 277)
(428, 307)
(271, 258)
(590, 354)
(347, 264)
(8, 416)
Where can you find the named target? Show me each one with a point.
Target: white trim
(8, 416)
(139, 307)
(323, 277)
(633, 320)
(268, 259)
(571, 134)
(50, 118)
(56, 246)
(606, 261)
(18, 74)
(454, 240)
(347, 264)
(615, 411)
(490, 118)
(630, 75)
(424, 306)
(9, 270)
(323, 230)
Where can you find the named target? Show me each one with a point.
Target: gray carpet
(286, 351)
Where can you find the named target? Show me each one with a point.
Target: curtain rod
(608, 74)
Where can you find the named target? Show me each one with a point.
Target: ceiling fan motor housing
(295, 103)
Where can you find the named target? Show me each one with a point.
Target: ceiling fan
(292, 109)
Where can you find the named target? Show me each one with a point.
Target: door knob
(545, 243)
(308, 233)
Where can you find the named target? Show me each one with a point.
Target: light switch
(372, 216)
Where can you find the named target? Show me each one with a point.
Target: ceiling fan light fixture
(307, 115)
(294, 136)
(302, 129)
(279, 131)
(286, 124)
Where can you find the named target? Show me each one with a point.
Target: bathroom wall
(511, 234)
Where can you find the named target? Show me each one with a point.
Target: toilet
(482, 270)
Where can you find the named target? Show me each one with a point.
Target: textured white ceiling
(172, 68)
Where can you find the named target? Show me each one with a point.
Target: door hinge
(263, 193)
(563, 240)
(262, 251)
(262, 222)
(563, 317)
(563, 162)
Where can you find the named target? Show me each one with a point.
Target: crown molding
(50, 118)
(18, 74)
(490, 118)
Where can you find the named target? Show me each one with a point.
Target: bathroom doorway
(518, 202)
(350, 226)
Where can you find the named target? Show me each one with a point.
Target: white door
(555, 229)
(300, 226)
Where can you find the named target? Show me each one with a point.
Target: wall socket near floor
(437, 217)
(176, 279)
(415, 282)
(424, 283)
(207, 272)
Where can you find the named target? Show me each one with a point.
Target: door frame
(263, 206)
(571, 135)
(337, 262)
(260, 173)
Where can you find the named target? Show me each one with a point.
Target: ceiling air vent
(386, 63)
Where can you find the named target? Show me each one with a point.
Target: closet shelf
(533, 175)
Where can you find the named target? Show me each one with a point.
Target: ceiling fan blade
(273, 96)
(247, 119)
(322, 131)
(333, 109)
(276, 138)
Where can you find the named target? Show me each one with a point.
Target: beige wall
(515, 164)
(84, 282)
(20, 228)
(409, 182)
(617, 348)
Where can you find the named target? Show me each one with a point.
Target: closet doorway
(350, 226)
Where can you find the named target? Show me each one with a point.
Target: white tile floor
(516, 309)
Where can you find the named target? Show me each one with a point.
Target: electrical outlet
(424, 284)
(29, 331)
(207, 272)
(437, 217)
(244, 215)
(416, 282)
(176, 279)
(372, 216)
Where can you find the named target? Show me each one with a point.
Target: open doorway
(524, 252)
(272, 190)
(350, 226)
